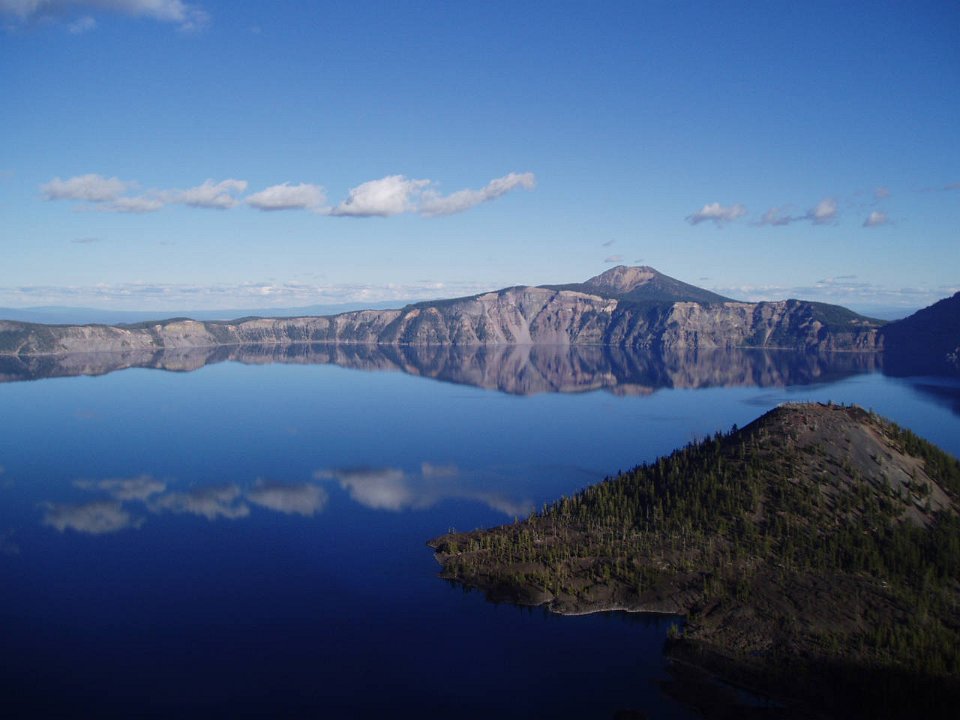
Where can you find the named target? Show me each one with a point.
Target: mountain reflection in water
(514, 369)
(215, 542)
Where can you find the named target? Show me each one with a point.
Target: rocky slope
(643, 284)
(610, 314)
(818, 546)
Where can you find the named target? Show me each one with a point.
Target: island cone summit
(818, 546)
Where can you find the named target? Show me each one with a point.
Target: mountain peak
(642, 283)
(623, 279)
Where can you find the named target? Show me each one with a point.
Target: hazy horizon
(173, 154)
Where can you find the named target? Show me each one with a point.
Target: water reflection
(135, 488)
(289, 498)
(394, 489)
(515, 369)
(126, 502)
(940, 390)
(211, 502)
(99, 517)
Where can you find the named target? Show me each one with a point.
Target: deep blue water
(249, 539)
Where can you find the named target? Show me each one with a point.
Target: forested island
(815, 556)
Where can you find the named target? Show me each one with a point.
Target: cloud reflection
(375, 488)
(393, 489)
(139, 488)
(291, 499)
(389, 489)
(94, 518)
(216, 501)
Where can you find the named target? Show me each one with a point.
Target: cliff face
(515, 316)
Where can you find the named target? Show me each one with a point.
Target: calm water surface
(249, 539)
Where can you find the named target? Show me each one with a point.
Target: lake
(246, 536)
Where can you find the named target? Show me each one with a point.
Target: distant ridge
(62, 315)
(642, 284)
(623, 307)
(926, 342)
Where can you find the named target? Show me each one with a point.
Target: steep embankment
(818, 543)
(626, 307)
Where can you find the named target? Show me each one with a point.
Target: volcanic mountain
(642, 284)
(813, 553)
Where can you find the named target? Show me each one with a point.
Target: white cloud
(826, 211)
(164, 298)
(876, 218)
(289, 197)
(217, 195)
(847, 290)
(396, 194)
(294, 499)
(91, 188)
(613, 259)
(209, 502)
(776, 216)
(137, 205)
(94, 518)
(717, 213)
(186, 15)
(106, 194)
(434, 204)
(82, 25)
(881, 192)
(391, 195)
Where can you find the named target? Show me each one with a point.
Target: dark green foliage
(837, 317)
(748, 516)
(942, 468)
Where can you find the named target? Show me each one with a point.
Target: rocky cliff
(513, 316)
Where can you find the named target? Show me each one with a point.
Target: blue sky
(163, 155)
